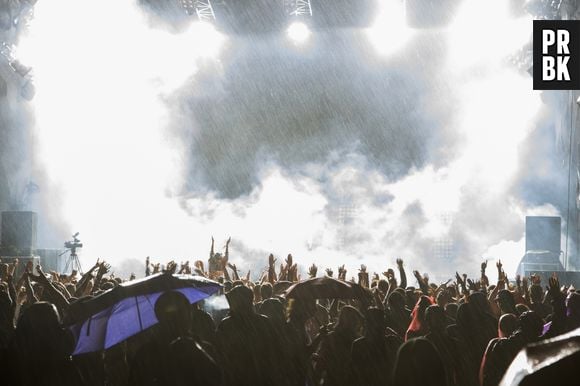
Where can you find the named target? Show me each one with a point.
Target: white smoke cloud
(105, 78)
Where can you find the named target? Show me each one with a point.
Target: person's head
(573, 305)
(478, 302)
(531, 325)
(505, 300)
(506, 325)
(300, 310)
(266, 291)
(521, 308)
(6, 314)
(39, 333)
(396, 301)
(411, 297)
(422, 304)
(349, 319)
(240, 299)
(418, 363)
(466, 319)
(536, 293)
(375, 323)
(173, 312)
(274, 310)
(383, 286)
(237, 283)
(451, 310)
(257, 289)
(435, 318)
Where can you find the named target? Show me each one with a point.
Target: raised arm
(227, 255)
(54, 295)
(423, 284)
(402, 274)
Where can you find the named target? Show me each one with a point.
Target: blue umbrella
(128, 309)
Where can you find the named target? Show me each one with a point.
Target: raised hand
(554, 287)
(363, 276)
(12, 268)
(329, 272)
(312, 271)
(483, 266)
(342, 272)
(104, 268)
(525, 282)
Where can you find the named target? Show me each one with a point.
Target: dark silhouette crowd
(464, 332)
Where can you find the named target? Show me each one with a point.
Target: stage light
(298, 32)
(207, 39)
(389, 32)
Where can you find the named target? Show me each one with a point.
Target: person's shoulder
(225, 323)
(359, 341)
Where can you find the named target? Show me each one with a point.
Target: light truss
(301, 8)
(202, 8)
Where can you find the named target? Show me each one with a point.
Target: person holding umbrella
(173, 357)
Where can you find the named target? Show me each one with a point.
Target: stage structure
(543, 246)
(543, 255)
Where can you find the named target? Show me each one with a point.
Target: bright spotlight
(390, 32)
(206, 39)
(298, 32)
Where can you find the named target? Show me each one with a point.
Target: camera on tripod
(74, 244)
(73, 261)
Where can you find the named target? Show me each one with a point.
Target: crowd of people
(464, 332)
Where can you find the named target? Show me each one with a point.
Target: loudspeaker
(51, 259)
(18, 233)
(543, 234)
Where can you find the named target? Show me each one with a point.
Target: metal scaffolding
(301, 8)
(202, 8)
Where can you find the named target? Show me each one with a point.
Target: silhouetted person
(173, 357)
(418, 327)
(501, 351)
(373, 355)
(335, 350)
(419, 364)
(248, 343)
(537, 302)
(398, 316)
(507, 325)
(202, 324)
(42, 348)
(447, 346)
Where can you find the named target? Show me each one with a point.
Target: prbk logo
(556, 54)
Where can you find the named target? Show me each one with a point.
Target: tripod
(73, 262)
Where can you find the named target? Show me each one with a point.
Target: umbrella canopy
(326, 288)
(128, 309)
(554, 361)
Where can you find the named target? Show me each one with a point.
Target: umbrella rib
(139, 314)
